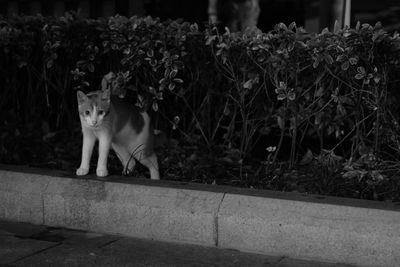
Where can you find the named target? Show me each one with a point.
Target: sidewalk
(23, 244)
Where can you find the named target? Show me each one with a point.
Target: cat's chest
(102, 134)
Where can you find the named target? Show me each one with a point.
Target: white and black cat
(118, 125)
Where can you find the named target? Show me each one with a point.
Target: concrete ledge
(353, 235)
(105, 206)
(340, 230)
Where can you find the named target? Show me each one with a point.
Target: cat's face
(93, 107)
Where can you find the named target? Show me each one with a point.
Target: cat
(118, 125)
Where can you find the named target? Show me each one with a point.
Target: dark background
(314, 14)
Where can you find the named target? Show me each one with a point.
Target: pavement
(23, 244)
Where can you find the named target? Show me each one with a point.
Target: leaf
(340, 58)
(378, 25)
(336, 27)
(359, 76)
(325, 31)
(226, 110)
(166, 73)
(291, 46)
(339, 48)
(282, 26)
(351, 174)
(210, 39)
(265, 130)
(377, 36)
(127, 51)
(291, 96)
(22, 64)
(153, 62)
(307, 158)
(353, 60)
(90, 67)
(281, 123)
(358, 26)
(248, 84)
(175, 122)
(49, 63)
(281, 97)
(317, 120)
(49, 135)
(152, 90)
(171, 86)
(194, 27)
(361, 70)
(293, 123)
(282, 87)
(173, 73)
(159, 96)
(178, 80)
(365, 26)
(316, 63)
(261, 58)
(177, 119)
(345, 66)
(319, 92)
(292, 26)
(155, 106)
(341, 110)
(328, 59)
(330, 130)
(150, 53)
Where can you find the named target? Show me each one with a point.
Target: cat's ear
(105, 82)
(106, 95)
(82, 98)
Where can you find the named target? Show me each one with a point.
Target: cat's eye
(87, 112)
(101, 112)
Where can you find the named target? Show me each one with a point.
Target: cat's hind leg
(151, 162)
(127, 160)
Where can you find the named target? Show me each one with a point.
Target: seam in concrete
(110, 242)
(43, 207)
(280, 259)
(216, 217)
(36, 252)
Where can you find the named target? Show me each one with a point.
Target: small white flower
(271, 149)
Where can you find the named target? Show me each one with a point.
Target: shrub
(306, 97)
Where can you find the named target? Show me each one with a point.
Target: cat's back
(126, 115)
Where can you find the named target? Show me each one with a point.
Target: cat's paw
(101, 172)
(82, 171)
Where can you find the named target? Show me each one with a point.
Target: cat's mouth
(94, 126)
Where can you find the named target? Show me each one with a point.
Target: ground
(23, 244)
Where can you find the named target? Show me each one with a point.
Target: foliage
(266, 104)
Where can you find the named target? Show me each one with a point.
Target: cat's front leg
(104, 149)
(87, 149)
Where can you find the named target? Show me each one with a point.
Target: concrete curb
(349, 231)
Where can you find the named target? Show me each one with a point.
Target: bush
(290, 98)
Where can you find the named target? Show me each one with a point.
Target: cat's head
(93, 107)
